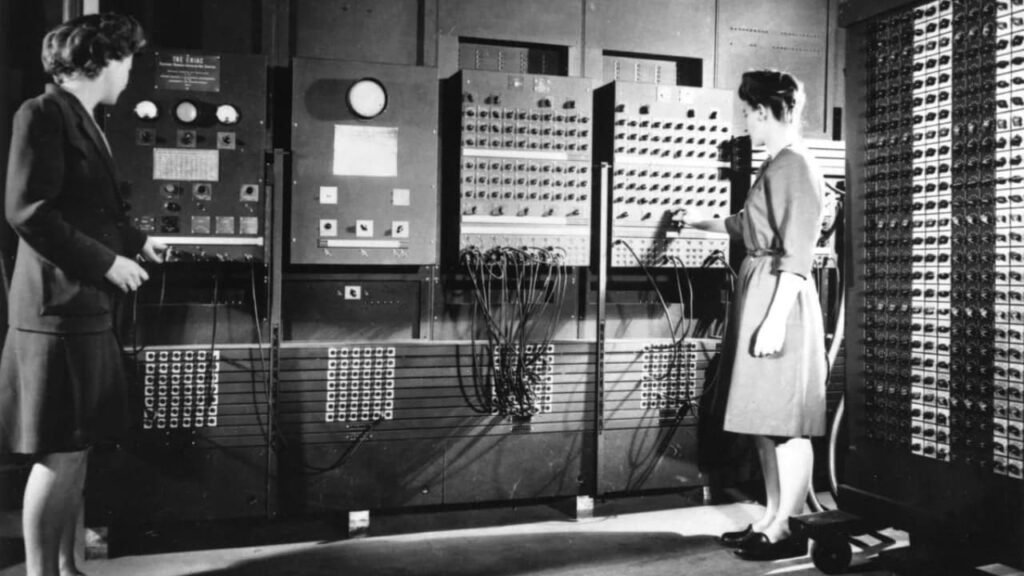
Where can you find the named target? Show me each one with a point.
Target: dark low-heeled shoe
(737, 538)
(759, 547)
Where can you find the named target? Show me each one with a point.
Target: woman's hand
(679, 218)
(154, 251)
(770, 337)
(126, 274)
(683, 220)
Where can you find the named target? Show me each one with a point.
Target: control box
(649, 409)
(668, 147)
(935, 354)
(524, 175)
(364, 171)
(189, 137)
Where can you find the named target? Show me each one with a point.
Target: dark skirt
(60, 392)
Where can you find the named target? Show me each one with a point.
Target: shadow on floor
(561, 553)
(494, 555)
(12, 551)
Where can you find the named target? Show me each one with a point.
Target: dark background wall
(727, 36)
(22, 26)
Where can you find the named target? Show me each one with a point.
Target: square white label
(328, 227)
(328, 194)
(364, 228)
(400, 229)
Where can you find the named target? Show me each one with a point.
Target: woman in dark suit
(61, 377)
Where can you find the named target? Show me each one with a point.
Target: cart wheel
(831, 555)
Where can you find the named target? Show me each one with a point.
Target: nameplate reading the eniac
(187, 165)
(192, 72)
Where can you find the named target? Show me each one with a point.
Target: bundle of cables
(513, 289)
(673, 374)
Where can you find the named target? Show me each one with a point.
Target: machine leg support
(584, 507)
(93, 542)
(358, 523)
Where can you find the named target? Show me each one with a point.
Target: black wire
(689, 284)
(263, 364)
(213, 344)
(719, 256)
(471, 258)
(134, 330)
(118, 321)
(654, 284)
(525, 281)
(311, 470)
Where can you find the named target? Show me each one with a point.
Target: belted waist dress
(783, 394)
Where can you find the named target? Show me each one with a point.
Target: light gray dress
(783, 394)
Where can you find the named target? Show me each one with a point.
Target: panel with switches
(525, 174)
(668, 149)
(364, 172)
(190, 146)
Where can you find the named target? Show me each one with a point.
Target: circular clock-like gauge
(367, 98)
(186, 112)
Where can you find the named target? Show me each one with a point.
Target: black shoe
(736, 539)
(759, 547)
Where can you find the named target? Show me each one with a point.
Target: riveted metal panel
(790, 35)
(661, 27)
(362, 30)
(556, 22)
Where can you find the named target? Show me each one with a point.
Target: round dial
(367, 98)
(146, 110)
(186, 112)
(227, 114)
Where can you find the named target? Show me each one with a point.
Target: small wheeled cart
(832, 532)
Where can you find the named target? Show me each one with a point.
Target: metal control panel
(408, 423)
(364, 171)
(935, 395)
(196, 447)
(189, 136)
(943, 240)
(524, 178)
(649, 409)
(668, 150)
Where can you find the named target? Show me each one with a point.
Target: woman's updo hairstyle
(778, 91)
(86, 44)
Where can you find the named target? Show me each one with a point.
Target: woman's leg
(48, 494)
(770, 470)
(68, 561)
(795, 464)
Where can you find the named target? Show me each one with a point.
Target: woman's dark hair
(86, 44)
(778, 91)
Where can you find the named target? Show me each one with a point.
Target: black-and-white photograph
(512, 287)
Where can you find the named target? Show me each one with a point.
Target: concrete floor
(672, 542)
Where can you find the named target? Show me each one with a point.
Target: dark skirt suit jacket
(63, 201)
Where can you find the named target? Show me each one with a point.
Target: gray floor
(653, 543)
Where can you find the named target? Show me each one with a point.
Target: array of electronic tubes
(944, 245)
